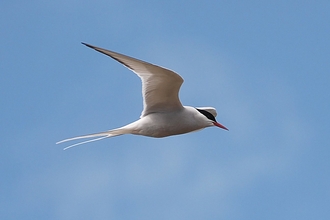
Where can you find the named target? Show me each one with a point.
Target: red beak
(220, 125)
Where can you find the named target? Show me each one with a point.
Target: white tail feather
(84, 142)
(101, 136)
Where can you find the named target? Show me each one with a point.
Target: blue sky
(263, 65)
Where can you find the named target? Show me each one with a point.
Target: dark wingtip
(88, 45)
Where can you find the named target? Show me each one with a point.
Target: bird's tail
(100, 135)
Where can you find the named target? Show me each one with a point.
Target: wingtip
(88, 45)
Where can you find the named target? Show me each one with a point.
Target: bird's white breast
(162, 124)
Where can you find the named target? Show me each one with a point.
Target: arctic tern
(163, 114)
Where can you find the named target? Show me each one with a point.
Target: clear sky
(264, 65)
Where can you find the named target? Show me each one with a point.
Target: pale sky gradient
(263, 64)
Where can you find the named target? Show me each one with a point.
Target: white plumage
(163, 114)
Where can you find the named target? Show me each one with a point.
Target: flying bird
(163, 114)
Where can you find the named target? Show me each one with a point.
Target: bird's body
(181, 121)
(163, 114)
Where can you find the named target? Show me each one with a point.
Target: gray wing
(160, 86)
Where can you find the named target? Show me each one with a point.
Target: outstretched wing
(160, 86)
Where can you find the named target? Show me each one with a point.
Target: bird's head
(210, 113)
